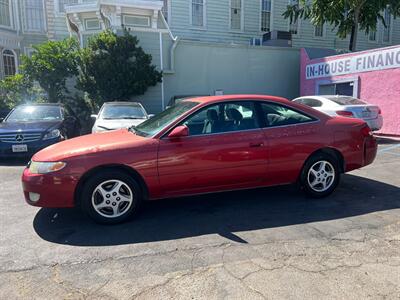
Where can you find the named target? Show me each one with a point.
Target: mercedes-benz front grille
(20, 137)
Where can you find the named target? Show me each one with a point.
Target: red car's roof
(212, 99)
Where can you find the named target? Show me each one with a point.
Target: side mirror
(93, 116)
(1, 120)
(179, 132)
(151, 115)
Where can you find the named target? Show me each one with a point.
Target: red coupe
(200, 145)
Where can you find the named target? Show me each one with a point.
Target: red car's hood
(88, 144)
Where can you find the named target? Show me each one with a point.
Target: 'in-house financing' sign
(379, 60)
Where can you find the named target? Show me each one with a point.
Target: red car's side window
(224, 117)
(279, 115)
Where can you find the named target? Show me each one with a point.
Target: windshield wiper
(131, 118)
(136, 131)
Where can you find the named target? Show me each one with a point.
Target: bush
(115, 68)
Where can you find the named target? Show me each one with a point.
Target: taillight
(345, 113)
(366, 131)
(379, 112)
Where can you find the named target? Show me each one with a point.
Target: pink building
(373, 76)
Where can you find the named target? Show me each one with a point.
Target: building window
(294, 25)
(236, 14)
(34, 15)
(92, 24)
(387, 30)
(319, 30)
(372, 36)
(63, 3)
(266, 15)
(9, 64)
(165, 10)
(198, 12)
(5, 17)
(136, 21)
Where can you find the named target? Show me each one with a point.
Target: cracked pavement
(258, 244)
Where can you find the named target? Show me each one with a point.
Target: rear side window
(278, 115)
(346, 100)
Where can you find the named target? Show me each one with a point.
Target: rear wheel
(320, 175)
(111, 197)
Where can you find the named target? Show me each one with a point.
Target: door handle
(256, 145)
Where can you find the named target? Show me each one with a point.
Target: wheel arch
(115, 167)
(332, 152)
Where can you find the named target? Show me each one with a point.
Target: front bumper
(56, 189)
(33, 147)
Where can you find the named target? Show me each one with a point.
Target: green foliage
(115, 67)
(347, 16)
(18, 89)
(51, 64)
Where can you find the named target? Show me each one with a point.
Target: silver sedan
(345, 106)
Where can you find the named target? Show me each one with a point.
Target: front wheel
(111, 197)
(320, 176)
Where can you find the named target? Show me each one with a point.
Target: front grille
(20, 137)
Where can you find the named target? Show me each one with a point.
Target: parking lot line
(389, 148)
(392, 153)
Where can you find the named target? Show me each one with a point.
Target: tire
(320, 175)
(111, 197)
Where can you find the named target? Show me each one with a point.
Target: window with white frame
(294, 25)
(266, 15)
(165, 10)
(198, 7)
(5, 16)
(136, 21)
(92, 24)
(236, 14)
(63, 3)
(319, 31)
(387, 30)
(34, 15)
(9, 63)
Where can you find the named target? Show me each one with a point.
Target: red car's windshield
(159, 122)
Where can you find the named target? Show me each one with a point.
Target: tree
(114, 67)
(51, 64)
(347, 16)
(18, 89)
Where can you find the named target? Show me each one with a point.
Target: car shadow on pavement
(222, 214)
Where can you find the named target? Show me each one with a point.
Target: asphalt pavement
(259, 244)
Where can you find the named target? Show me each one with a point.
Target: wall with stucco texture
(201, 68)
(376, 87)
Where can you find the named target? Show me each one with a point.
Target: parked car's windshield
(28, 113)
(346, 100)
(160, 121)
(112, 112)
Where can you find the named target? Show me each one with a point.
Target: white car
(118, 115)
(345, 106)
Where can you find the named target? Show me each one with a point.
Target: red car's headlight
(46, 167)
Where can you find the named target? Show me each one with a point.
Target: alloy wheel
(321, 176)
(112, 198)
